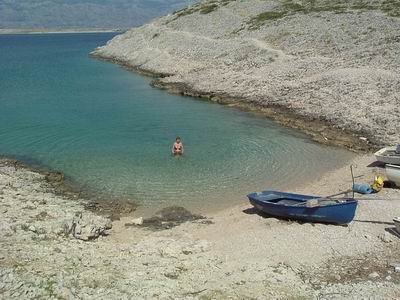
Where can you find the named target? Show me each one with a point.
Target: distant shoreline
(55, 31)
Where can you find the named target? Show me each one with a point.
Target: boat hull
(338, 213)
(388, 156)
(397, 223)
(393, 173)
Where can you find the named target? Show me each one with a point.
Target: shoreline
(99, 204)
(320, 72)
(318, 130)
(223, 251)
(109, 206)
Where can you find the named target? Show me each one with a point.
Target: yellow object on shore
(378, 183)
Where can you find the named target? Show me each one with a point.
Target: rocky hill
(333, 62)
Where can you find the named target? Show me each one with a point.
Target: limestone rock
(137, 221)
(386, 237)
(55, 177)
(373, 275)
(86, 227)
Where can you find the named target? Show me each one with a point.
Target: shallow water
(107, 129)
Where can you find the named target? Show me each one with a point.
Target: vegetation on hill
(284, 8)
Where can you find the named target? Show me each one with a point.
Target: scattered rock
(112, 208)
(367, 236)
(169, 217)
(373, 275)
(55, 177)
(138, 221)
(85, 227)
(43, 216)
(386, 237)
(115, 217)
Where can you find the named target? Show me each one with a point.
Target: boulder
(86, 227)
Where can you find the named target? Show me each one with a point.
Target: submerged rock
(167, 218)
(55, 177)
(114, 209)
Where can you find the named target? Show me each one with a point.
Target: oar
(315, 201)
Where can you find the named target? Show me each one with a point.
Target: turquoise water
(107, 129)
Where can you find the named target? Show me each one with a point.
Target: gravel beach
(54, 248)
(332, 64)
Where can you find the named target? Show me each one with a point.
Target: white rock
(138, 221)
(386, 237)
(373, 275)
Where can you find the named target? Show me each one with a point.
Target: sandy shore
(53, 247)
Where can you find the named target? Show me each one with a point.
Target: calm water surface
(107, 129)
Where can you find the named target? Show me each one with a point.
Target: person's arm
(182, 150)
(173, 149)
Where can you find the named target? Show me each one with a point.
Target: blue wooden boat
(294, 206)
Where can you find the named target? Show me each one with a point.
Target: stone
(395, 266)
(85, 227)
(137, 221)
(55, 177)
(169, 217)
(373, 275)
(386, 237)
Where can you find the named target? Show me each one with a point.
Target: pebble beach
(54, 247)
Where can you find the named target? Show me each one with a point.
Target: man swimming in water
(177, 147)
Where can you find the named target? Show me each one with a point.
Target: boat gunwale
(348, 201)
(381, 153)
(392, 166)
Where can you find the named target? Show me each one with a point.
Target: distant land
(76, 14)
(64, 30)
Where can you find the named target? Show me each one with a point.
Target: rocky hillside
(335, 61)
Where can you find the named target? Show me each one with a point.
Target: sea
(111, 133)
